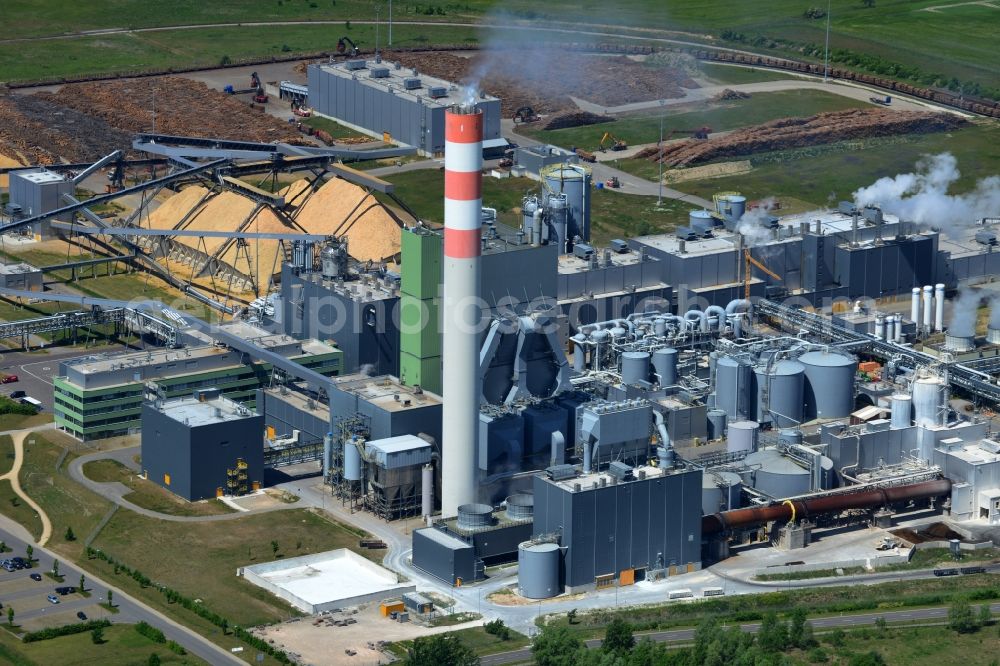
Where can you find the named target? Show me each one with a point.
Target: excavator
(616, 143)
(525, 114)
(342, 45)
(747, 275)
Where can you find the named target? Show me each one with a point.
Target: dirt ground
(324, 645)
(814, 130)
(82, 122)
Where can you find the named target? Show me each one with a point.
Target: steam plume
(964, 313)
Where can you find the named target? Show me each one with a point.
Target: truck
(884, 100)
(28, 400)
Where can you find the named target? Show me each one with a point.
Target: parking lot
(29, 598)
(35, 370)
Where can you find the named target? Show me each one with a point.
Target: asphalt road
(823, 623)
(28, 601)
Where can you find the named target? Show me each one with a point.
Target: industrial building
(382, 98)
(38, 191)
(20, 276)
(202, 446)
(102, 396)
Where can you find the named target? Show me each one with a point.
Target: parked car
(9, 379)
(35, 576)
(67, 589)
(53, 599)
(18, 394)
(81, 615)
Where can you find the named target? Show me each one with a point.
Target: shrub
(65, 630)
(150, 632)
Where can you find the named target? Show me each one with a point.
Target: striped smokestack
(463, 163)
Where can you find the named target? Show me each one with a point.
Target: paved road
(29, 604)
(926, 615)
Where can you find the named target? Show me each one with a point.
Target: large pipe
(939, 307)
(928, 297)
(558, 444)
(692, 315)
(865, 499)
(720, 314)
(427, 492)
(915, 306)
(463, 163)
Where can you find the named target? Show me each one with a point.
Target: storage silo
(780, 392)
(742, 436)
(538, 570)
(635, 367)
(789, 437)
(731, 207)
(733, 387)
(574, 181)
(829, 385)
(558, 212)
(778, 475)
(902, 411)
(352, 461)
(701, 221)
(520, 506)
(720, 491)
(474, 516)
(665, 365)
(716, 423)
(929, 392)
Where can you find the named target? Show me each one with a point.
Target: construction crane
(342, 49)
(750, 262)
(525, 114)
(616, 143)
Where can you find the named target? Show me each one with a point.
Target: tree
(571, 616)
(224, 625)
(69, 534)
(111, 597)
(274, 548)
(797, 627)
(985, 615)
(881, 624)
(872, 658)
(961, 619)
(556, 646)
(154, 660)
(55, 568)
(440, 649)
(29, 551)
(83, 580)
(97, 635)
(773, 634)
(3, 546)
(618, 637)
(10, 615)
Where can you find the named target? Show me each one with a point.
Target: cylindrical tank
(915, 306)
(352, 461)
(829, 386)
(600, 339)
(520, 506)
(778, 475)
(780, 393)
(528, 207)
(959, 343)
(538, 570)
(720, 491)
(332, 260)
(742, 436)
(902, 406)
(559, 218)
(635, 367)
(993, 335)
(573, 180)
(327, 453)
(700, 219)
(879, 327)
(660, 326)
(731, 207)
(474, 516)
(939, 307)
(789, 437)
(716, 423)
(579, 352)
(928, 306)
(827, 477)
(733, 387)
(427, 491)
(928, 393)
(665, 365)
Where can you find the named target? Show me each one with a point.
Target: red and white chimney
(461, 312)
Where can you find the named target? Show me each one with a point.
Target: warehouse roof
(17, 269)
(196, 412)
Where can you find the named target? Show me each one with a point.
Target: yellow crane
(750, 261)
(616, 143)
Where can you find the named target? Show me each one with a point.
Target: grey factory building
(376, 97)
(203, 446)
(37, 191)
(20, 276)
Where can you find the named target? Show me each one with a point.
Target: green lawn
(149, 495)
(123, 646)
(19, 421)
(476, 638)
(828, 174)
(200, 559)
(735, 74)
(613, 214)
(6, 451)
(333, 128)
(920, 646)
(67, 503)
(760, 108)
(15, 508)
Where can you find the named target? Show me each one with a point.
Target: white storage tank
(733, 387)
(929, 393)
(720, 491)
(829, 385)
(538, 570)
(783, 385)
(742, 436)
(902, 411)
(352, 461)
(778, 475)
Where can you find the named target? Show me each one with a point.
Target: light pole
(826, 58)
(659, 160)
(378, 25)
(390, 22)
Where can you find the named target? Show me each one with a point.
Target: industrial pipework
(863, 499)
(463, 163)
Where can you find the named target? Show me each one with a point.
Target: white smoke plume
(995, 312)
(963, 314)
(753, 225)
(922, 196)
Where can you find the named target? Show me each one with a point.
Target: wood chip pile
(575, 119)
(34, 131)
(729, 94)
(814, 130)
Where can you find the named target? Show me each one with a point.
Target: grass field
(899, 31)
(613, 214)
(476, 638)
(331, 127)
(149, 495)
(919, 646)
(200, 559)
(828, 174)
(20, 421)
(6, 451)
(123, 646)
(14, 507)
(643, 129)
(735, 75)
